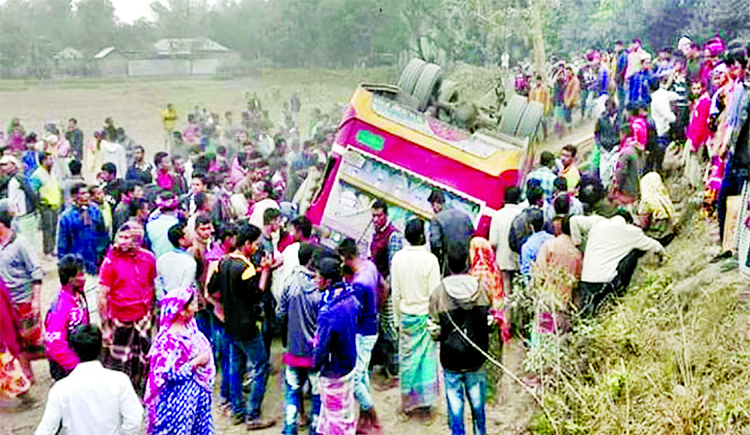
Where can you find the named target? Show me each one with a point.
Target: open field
(135, 104)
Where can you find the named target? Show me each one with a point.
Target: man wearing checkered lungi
(126, 299)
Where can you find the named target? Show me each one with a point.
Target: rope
(506, 370)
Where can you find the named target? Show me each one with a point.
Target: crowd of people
(175, 271)
(680, 115)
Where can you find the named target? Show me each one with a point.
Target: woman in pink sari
(13, 381)
(182, 372)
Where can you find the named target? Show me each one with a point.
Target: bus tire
(529, 125)
(410, 75)
(448, 92)
(512, 115)
(426, 84)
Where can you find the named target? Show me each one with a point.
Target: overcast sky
(129, 11)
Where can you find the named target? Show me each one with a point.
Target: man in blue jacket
(336, 350)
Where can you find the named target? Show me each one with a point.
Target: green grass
(669, 358)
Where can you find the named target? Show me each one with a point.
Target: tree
(181, 18)
(96, 26)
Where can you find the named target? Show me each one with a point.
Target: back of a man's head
(86, 341)
(562, 205)
(270, 214)
(330, 269)
(308, 253)
(547, 159)
(75, 167)
(304, 225)
(176, 233)
(536, 221)
(348, 248)
(414, 232)
(560, 184)
(458, 262)
(535, 196)
(512, 195)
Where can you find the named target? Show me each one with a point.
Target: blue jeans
(213, 329)
(223, 351)
(365, 344)
(474, 384)
(248, 375)
(731, 185)
(295, 378)
(585, 102)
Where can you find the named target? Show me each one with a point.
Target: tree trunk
(537, 36)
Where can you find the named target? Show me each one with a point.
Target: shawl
(171, 353)
(655, 198)
(236, 172)
(485, 269)
(10, 325)
(165, 180)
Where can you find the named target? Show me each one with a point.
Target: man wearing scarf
(126, 300)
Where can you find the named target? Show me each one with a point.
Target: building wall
(113, 66)
(116, 65)
(159, 67)
(204, 66)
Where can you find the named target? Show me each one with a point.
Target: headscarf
(485, 269)
(715, 47)
(171, 352)
(655, 198)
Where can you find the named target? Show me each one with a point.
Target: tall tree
(181, 18)
(95, 24)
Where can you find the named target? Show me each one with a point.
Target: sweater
(366, 286)
(298, 310)
(65, 314)
(336, 348)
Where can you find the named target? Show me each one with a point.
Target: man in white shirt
(661, 108)
(22, 205)
(177, 268)
(507, 260)
(611, 255)
(91, 400)
(415, 274)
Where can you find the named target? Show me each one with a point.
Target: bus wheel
(426, 85)
(410, 75)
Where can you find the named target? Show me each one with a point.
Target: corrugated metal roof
(104, 53)
(184, 46)
(68, 53)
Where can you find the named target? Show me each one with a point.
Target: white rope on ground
(507, 371)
